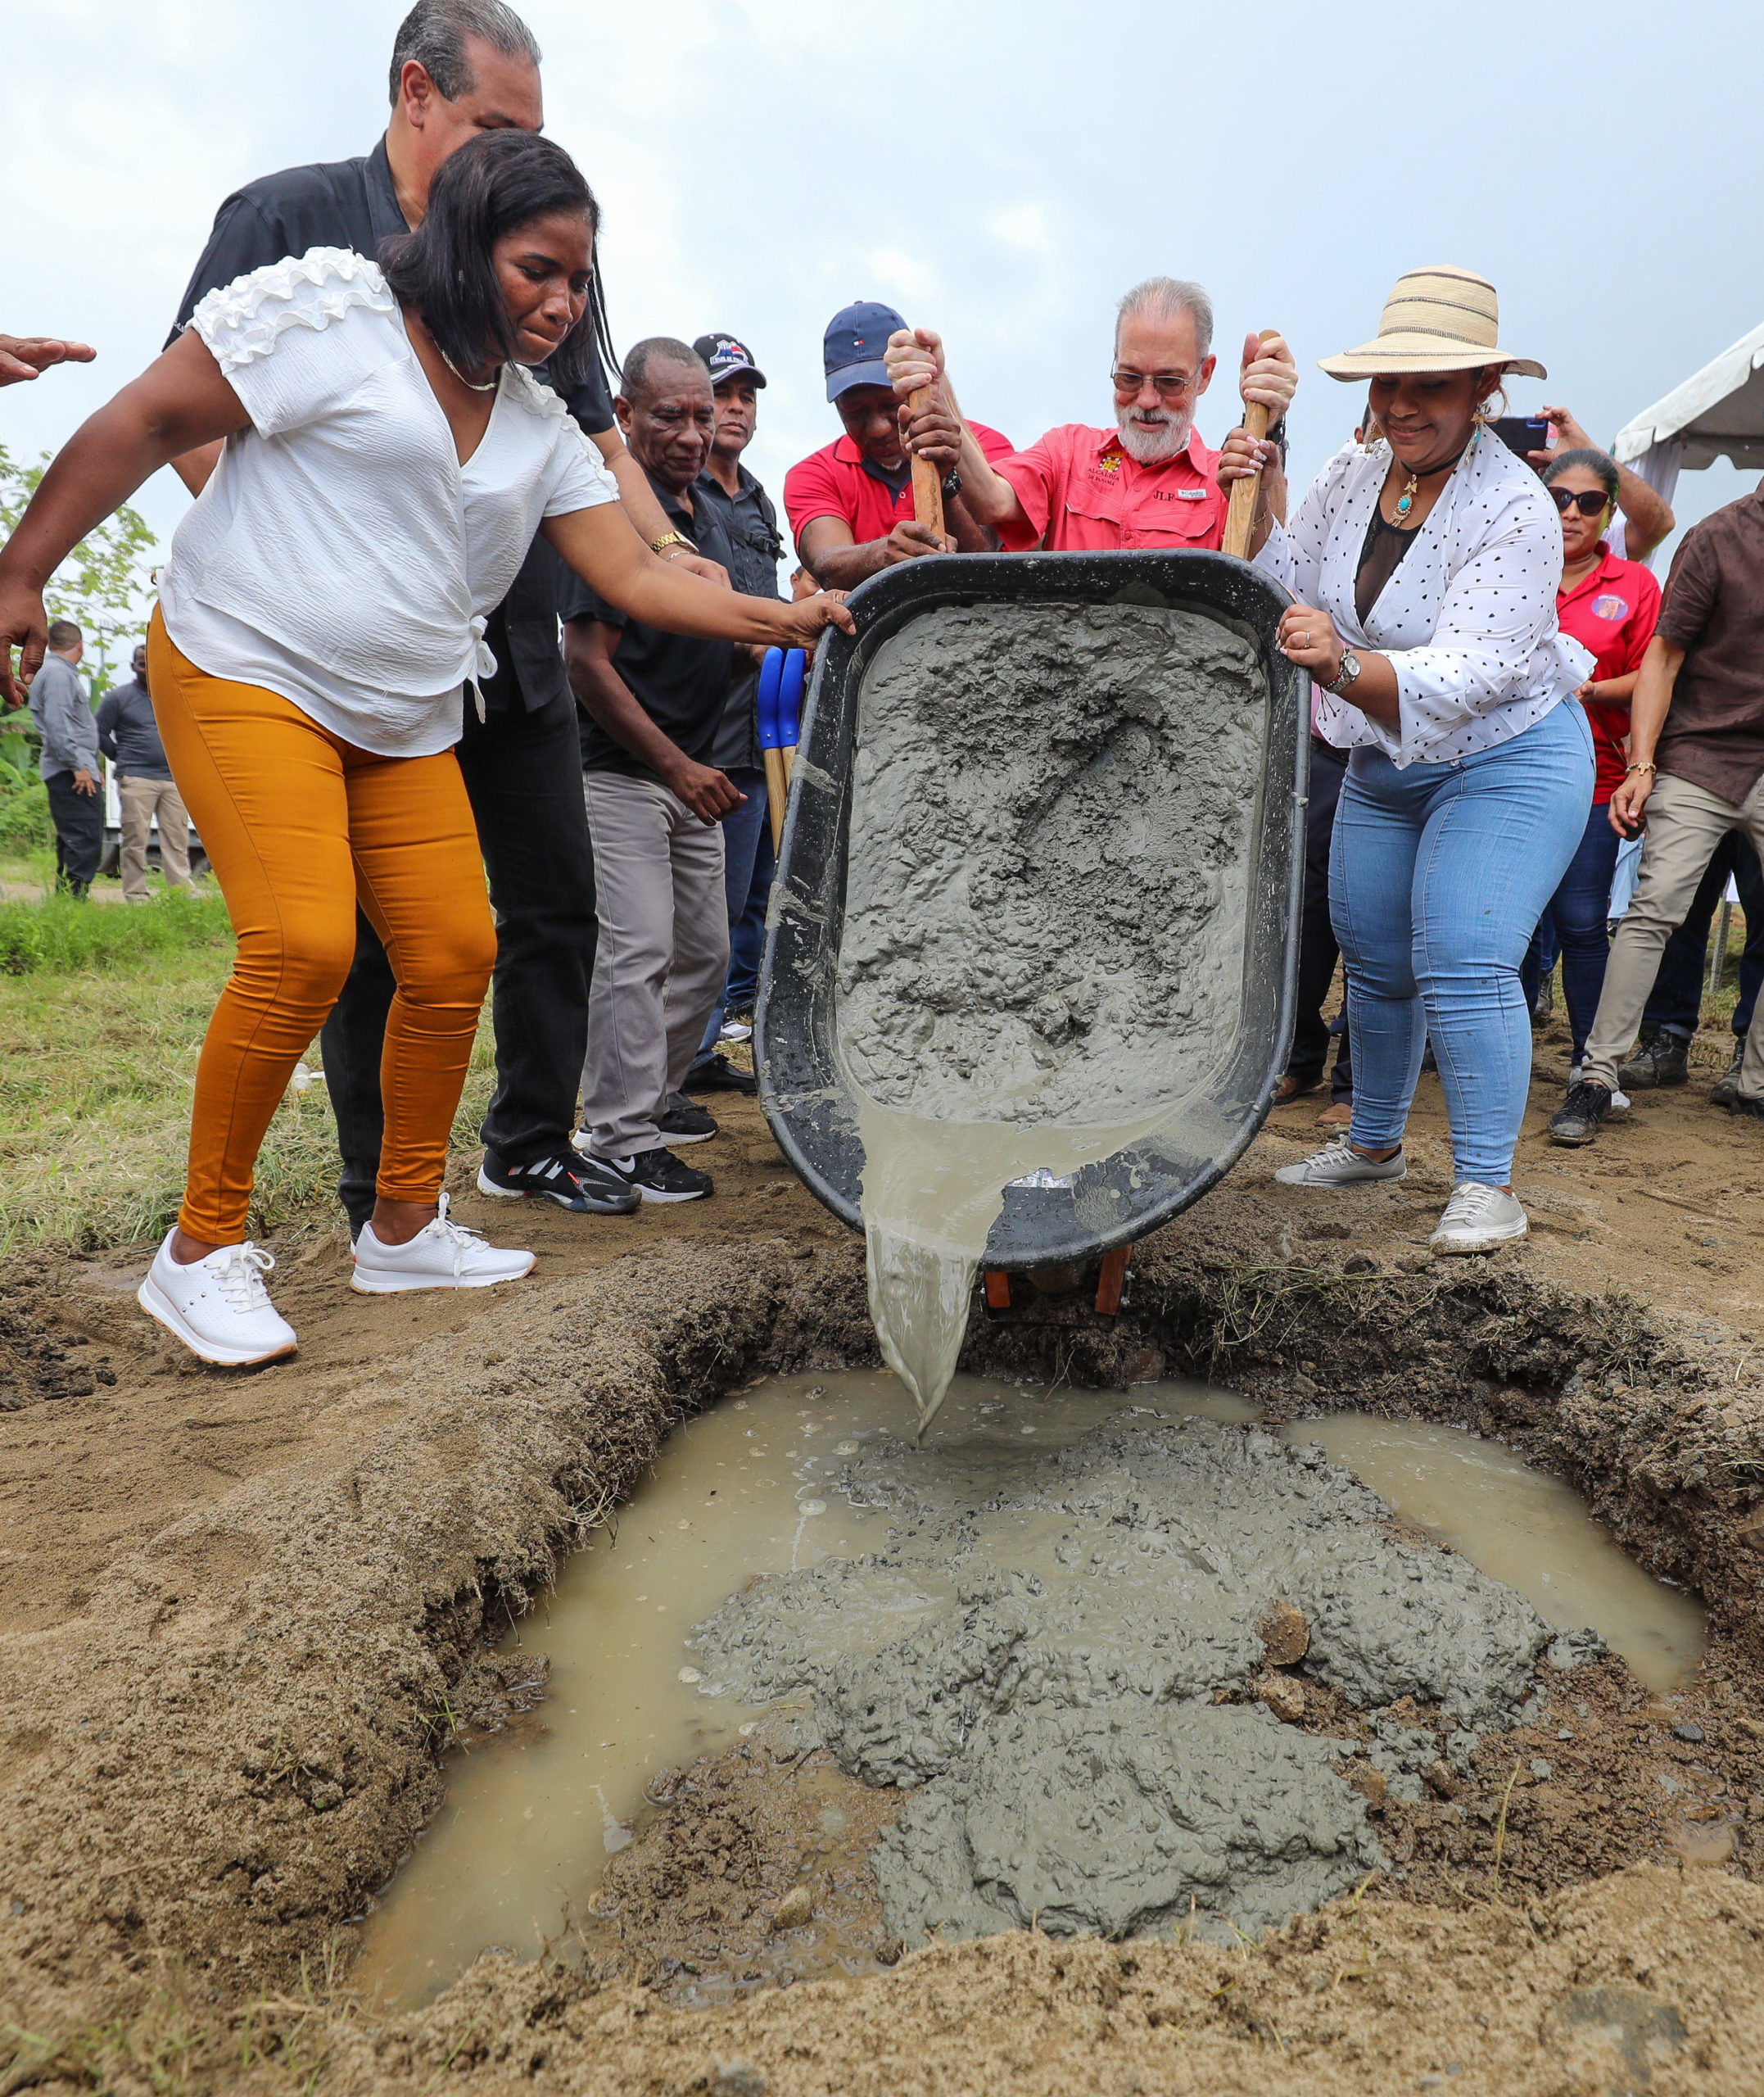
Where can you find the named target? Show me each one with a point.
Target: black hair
(495, 183)
(653, 349)
(1596, 461)
(434, 34)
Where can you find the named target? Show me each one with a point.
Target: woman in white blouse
(1424, 568)
(388, 459)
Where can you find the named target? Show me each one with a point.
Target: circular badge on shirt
(1610, 608)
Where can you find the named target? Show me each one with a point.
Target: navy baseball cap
(728, 358)
(856, 337)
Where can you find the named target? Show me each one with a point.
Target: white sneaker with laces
(218, 1307)
(1338, 1164)
(443, 1255)
(1477, 1219)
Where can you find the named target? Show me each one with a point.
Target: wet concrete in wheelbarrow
(247, 1603)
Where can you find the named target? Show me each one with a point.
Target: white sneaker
(1338, 1164)
(443, 1255)
(735, 1030)
(218, 1307)
(1477, 1219)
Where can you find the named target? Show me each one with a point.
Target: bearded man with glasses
(1149, 481)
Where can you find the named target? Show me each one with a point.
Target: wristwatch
(671, 539)
(1343, 682)
(951, 485)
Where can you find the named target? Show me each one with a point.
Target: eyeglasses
(1588, 502)
(1171, 385)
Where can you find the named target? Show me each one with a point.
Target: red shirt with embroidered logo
(1612, 613)
(834, 482)
(1081, 492)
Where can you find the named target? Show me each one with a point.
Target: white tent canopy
(1718, 413)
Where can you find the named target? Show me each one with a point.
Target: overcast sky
(1000, 171)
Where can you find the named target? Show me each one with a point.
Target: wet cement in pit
(761, 1485)
(1047, 884)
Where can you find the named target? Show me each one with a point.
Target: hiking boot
(682, 1122)
(717, 1074)
(1726, 1089)
(218, 1307)
(1477, 1219)
(1659, 1059)
(659, 1177)
(1338, 1164)
(443, 1255)
(1544, 1002)
(579, 1184)
(1575, 1121)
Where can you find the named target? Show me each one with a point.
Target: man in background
(729, 492)
(850, 504)
(68, 765)
(654, 704)
(459, 67)
(128, 736)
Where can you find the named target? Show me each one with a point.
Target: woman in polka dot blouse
(1424, 565)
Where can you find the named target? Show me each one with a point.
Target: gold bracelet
(1653, 768)
(671, 539)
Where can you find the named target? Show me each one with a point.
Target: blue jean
(742, 829)
(1438, 876)
(1577, 914)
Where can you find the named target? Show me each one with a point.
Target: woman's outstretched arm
(180, 401)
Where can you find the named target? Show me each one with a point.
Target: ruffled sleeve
(577, 477)
(279, 336)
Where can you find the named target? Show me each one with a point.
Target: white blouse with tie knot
(1468, 619)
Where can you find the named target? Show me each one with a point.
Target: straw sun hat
(1434, 321)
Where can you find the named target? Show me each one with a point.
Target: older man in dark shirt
(1697, 769)
(128, 736)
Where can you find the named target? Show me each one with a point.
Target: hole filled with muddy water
(1048, 1632)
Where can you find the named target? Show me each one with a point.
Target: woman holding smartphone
(1610, 606)
(1425, 568)
(388, 458)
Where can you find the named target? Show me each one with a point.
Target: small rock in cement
(1039, 1648)
(1284, 1697)
(1687, 1731)
(1048, 864)
(1285, 1636)
(794, 1910)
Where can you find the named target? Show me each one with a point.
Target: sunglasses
(1171, 385)
(1590, 501)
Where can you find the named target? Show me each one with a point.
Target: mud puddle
(1522, 1527)
(533, 1814)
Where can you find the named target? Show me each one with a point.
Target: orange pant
(300, 827)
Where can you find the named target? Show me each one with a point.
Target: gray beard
(1153, 448)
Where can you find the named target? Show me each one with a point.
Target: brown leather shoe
(1338, 1114)
(1292, 1087)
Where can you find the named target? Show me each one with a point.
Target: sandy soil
(238, 1608)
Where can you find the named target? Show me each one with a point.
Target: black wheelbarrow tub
(806, 1096)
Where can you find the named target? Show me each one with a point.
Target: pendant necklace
(1405, 501)
(494, 383)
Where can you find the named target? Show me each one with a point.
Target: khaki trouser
(141, 799)
(661, 961)
(1684, 825)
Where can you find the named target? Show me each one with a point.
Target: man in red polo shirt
(1149, 481)
(850, 504)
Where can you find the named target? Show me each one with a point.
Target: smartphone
(1523, 433)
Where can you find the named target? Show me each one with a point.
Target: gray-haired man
(69, 766)
(1149, 481)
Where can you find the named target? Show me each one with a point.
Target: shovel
(780, 701)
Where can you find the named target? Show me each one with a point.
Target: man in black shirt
(653, 703)
(459, 67)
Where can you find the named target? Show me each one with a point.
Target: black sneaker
(1751, 1109)
(658, 1176)
(717, 1074)
(1726, 1089)
(684, 1123)
(1659, 1059)
(1575, 1121)
(581, 1184)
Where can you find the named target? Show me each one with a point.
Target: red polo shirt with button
(1081, 492)
(1612, 613)
(834, 482)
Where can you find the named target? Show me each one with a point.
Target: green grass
(98, 1062)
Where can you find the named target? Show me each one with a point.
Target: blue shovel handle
(790, 698)
(771, 675)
